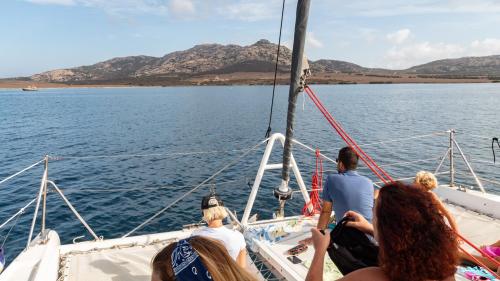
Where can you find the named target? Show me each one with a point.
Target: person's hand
(320, 241)
(307, 241)
(359, 222)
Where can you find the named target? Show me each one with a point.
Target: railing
(41, 196)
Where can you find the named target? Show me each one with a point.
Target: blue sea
(122, 154)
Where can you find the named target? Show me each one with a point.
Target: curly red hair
(415, 242)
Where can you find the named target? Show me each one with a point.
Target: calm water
(115, 194)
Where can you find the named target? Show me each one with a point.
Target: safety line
(57, 157)
(194, 189)
(22, 171)
(18, 213)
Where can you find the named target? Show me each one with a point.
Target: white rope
(22, 171)
(484, 161)
(476, 136)
(18, 213)
(53, 157)
(397, 140)
(409, 178)
(408, 138)
(408, 162)
(193, 189)
(313, 150)
(483, 179)
(397, 163)
(170, 187)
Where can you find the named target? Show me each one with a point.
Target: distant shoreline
(252, 78)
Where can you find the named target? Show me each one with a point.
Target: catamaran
(44, 258)
(30, 88)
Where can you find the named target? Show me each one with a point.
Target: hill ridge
(214, 58)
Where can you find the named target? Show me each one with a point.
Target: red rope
(377, 170)
(483, 253)
(480, 263)
(316, 186)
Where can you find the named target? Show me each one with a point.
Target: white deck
(275, 253)
(121, 259)
(478, 228)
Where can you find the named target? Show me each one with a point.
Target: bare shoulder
(369, 273)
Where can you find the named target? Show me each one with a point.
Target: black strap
(493, 148)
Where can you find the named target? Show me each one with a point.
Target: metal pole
(452, 162)
(479, 184)
(442, 161)
(74, 210)
(39, 198)
(44, 205)
(258, 177)
(283, 192)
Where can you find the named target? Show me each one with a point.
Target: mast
(282, 192)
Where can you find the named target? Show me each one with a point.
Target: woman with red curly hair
(415, 242)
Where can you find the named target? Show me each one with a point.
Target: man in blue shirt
(345, 191)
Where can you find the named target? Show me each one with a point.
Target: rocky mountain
(116, 68)
(336, 66)
(215, 59)
(205, 58)
(488, 65)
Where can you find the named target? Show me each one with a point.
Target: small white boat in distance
(30, 88)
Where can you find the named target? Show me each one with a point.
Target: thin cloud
(401, 57)
(399, 36)
(182, 8)
(486, 47)
(114, 7)
(369, 35)
(53, 2)
(248, 11)
(312, 41)
(385, 8)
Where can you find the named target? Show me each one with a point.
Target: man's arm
(324, 217)
(320, 242)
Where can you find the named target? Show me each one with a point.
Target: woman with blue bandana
(197, 259)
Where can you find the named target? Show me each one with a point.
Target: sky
(41, 35)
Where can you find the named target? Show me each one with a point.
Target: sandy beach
(250, 78)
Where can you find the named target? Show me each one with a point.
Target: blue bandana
(186, 263)
(2, 260)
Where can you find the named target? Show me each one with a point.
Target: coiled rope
(316, 186)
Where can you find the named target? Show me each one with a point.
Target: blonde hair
(214, 257)
(426, 179)
(214, 213)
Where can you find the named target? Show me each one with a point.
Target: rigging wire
(195, 188)
(20, 172)
(268, 132)
(10, 230)
(58, 157)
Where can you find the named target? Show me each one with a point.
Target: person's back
(349, 191)
(213, 214)
(232, 240)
